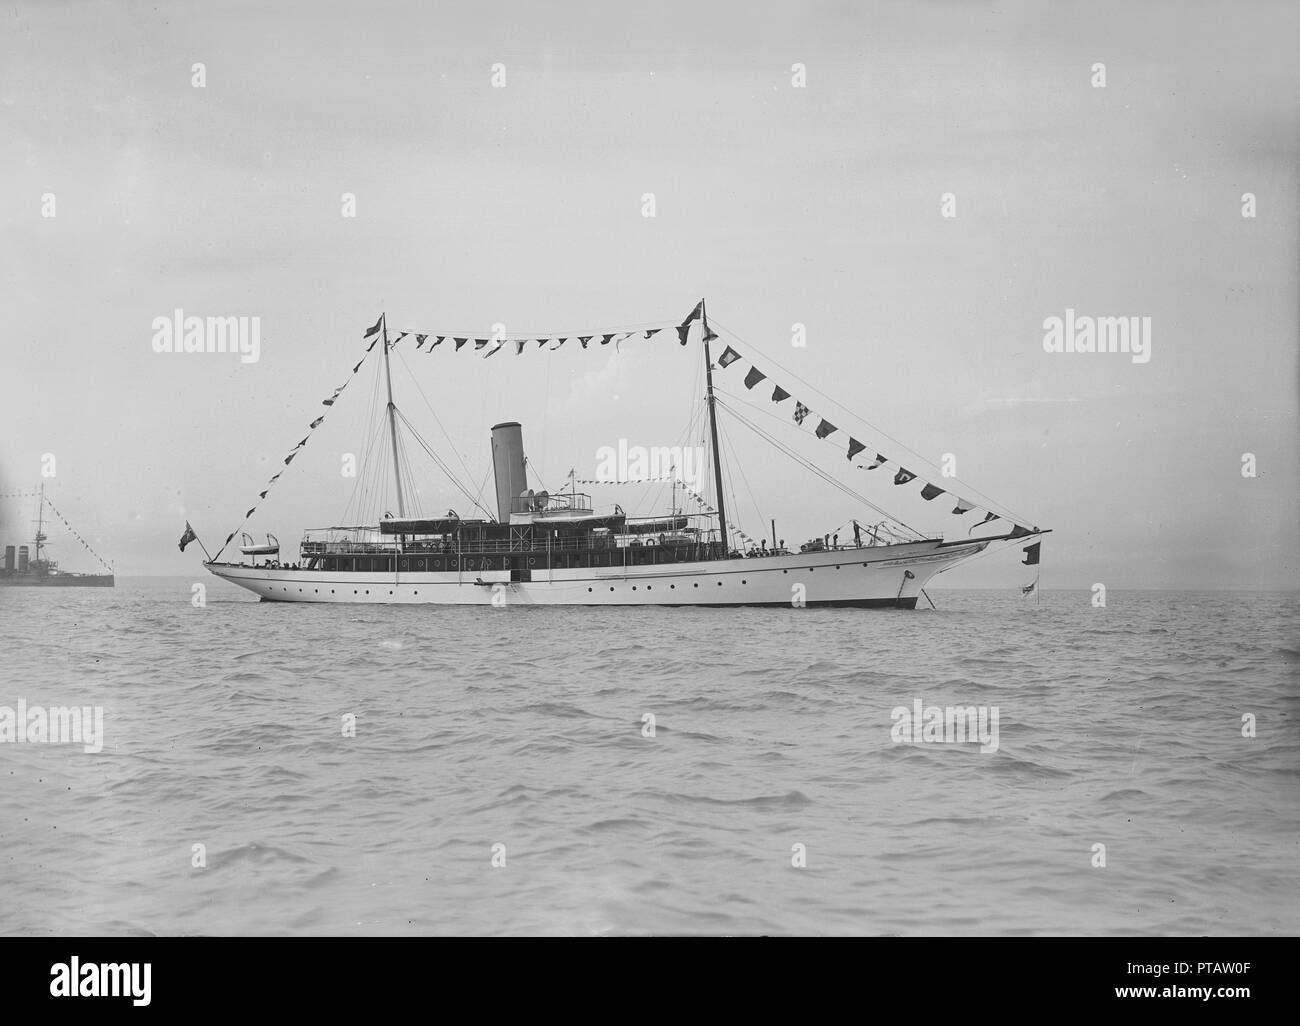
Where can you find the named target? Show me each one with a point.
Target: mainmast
(392, 424)
(713, 433)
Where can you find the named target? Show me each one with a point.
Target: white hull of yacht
(879, 576)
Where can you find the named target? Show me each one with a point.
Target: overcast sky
(523, 205)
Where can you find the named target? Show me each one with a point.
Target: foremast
(713, 433)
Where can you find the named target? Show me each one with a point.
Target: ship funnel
(9, 559)
(508, 465)
(22, 559)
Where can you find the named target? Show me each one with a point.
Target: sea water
(311, 769)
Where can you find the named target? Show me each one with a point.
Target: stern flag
(188, 536)
(1031, 554)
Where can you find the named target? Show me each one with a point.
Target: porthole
(837, 568)
(743, 581)
(697, 584)
(611, 587)
(672, 586)
(719, 584)
(589, 589)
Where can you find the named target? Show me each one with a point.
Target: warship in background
(31, 568)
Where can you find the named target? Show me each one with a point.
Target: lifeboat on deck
(251, 548)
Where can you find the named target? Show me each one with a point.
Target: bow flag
(190, 536)
(1031, 554)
